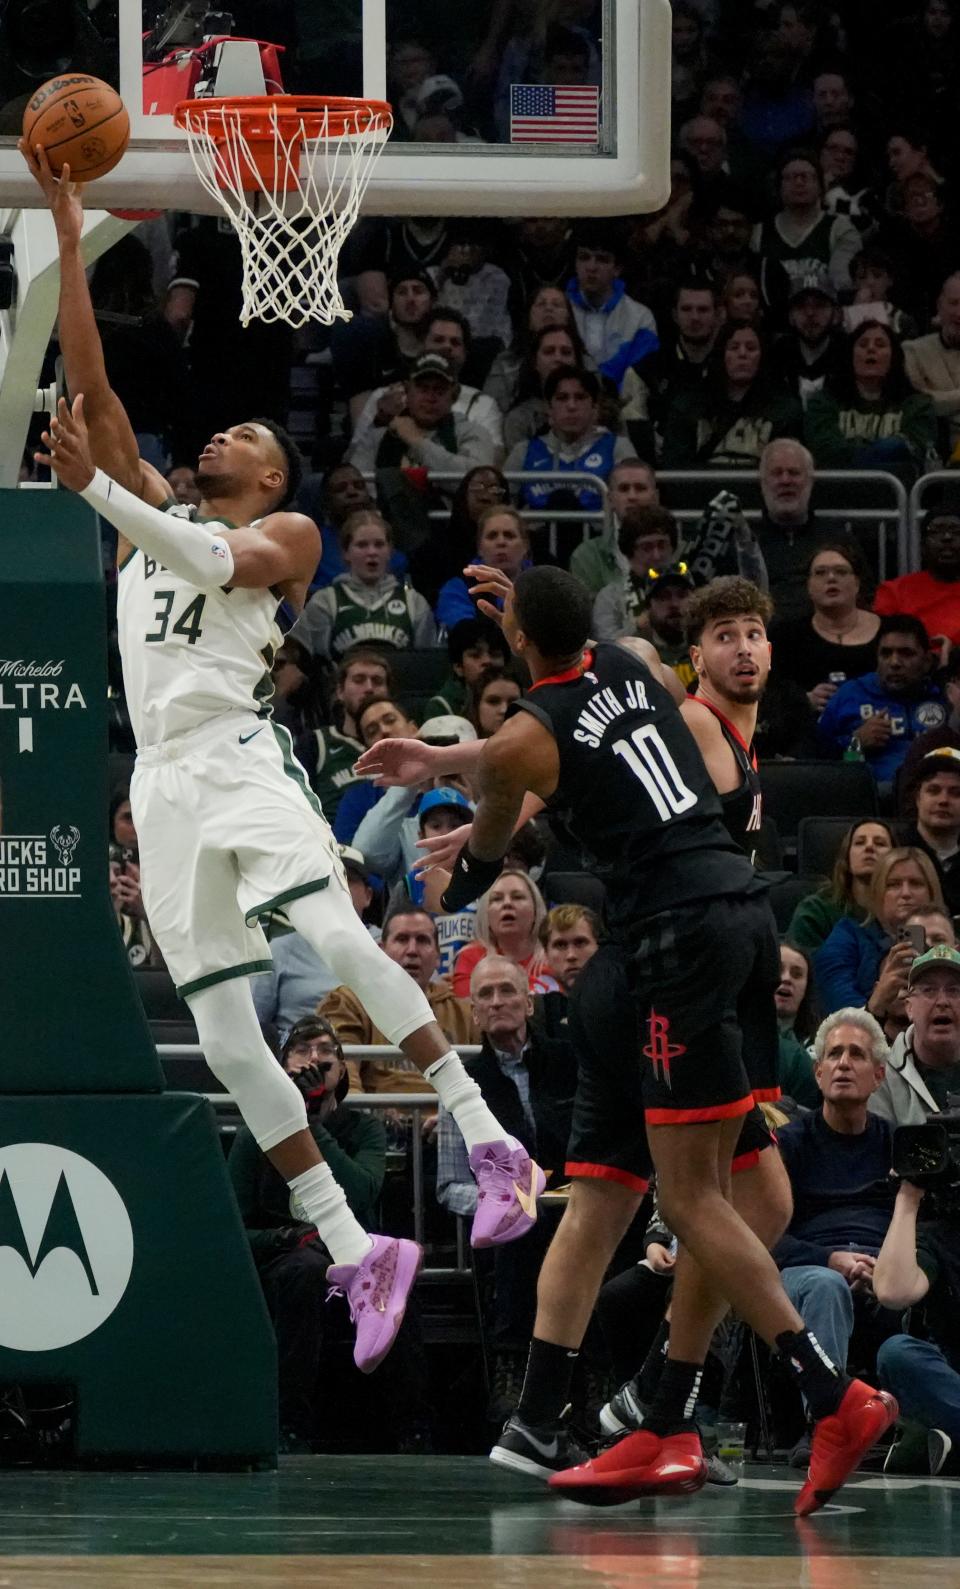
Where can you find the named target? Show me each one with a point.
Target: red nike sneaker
(842, 1440)
(642, 1464)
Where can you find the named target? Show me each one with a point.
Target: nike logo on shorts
(246, 738)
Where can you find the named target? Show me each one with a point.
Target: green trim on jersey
(260, 912)
(263, 691)
(293, 769)
(248, 969)
(128, 559)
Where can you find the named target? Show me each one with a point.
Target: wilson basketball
(81, 122)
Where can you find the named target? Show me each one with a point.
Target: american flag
(540, 113)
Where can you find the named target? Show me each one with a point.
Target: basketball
(81, 122)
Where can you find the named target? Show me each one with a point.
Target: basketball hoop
(290, 172)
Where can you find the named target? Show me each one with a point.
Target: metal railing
(558, 478)
(415, 1103)
(936, 477)
(732, 478)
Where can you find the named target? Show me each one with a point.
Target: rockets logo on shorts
(659, 1049)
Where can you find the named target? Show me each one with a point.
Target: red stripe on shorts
(713, 1111)
(607, 1172)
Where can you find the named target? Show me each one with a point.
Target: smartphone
(915, 936)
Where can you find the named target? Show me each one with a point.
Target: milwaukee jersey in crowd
(633, 790)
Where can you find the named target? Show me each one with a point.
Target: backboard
(535, 107)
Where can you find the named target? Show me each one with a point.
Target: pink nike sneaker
(509, 1184)
(376, 1289)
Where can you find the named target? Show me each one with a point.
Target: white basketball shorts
(229, 829)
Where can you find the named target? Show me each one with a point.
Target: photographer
(291, 1260)
(924, 1064)
(923, 1265)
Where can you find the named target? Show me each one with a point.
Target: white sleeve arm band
(189, 550)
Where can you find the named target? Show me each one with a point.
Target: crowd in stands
(513, 393)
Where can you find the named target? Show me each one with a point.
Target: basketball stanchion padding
(125, 1272)
(290, 172)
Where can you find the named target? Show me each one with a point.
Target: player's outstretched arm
(395, 762)
(112, 442)
(521, 756)
(254, 557)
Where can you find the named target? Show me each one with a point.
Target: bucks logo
(66, 1247)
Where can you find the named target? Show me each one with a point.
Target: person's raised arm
(112, 441)
(410, 761)
(898, 1280)
(282, 547)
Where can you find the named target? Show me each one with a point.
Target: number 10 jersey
(188, 655)
(634, 792)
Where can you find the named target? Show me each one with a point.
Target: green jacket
(868, 435)
(595, 562)
(814, 919)
(700, 432)
(353, 1144)
(796, 1072)
(450, 700)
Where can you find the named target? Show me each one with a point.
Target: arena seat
(818, 841)
(835, 788)
(786, 895)
(575, 888)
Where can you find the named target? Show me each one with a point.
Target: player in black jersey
(599, 742)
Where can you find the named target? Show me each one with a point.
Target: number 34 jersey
(190, 655)
(634, 791)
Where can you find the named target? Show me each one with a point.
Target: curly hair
(730, 596)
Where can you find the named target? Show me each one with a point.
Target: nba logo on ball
(66, 1247)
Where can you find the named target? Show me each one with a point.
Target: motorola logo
(66, 1247)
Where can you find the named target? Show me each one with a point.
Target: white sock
(325, 1206)
(459, 1093)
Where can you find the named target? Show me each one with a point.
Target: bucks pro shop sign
(66, 1247)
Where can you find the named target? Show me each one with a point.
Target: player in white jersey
(228, 827)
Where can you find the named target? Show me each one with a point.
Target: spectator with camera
(919, 1262)
(867, 964)
(128, 906)
(294, 1267)
(838, 1160)
(876, 717)
(923, 1069)
(531, 1079)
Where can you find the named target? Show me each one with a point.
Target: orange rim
(259, 114)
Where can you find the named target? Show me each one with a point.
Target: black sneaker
(538, 1450)
(624, 1412)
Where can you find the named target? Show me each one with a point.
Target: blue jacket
(357, 800)
(848, 964)
(615, 335)
(859, 699)
(454, 601)
(596, 458)
(842, 1192)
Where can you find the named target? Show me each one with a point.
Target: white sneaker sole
(503, 1458)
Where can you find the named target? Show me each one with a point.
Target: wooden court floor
(456, 1523)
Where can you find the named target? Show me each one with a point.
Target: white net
(291, 177)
